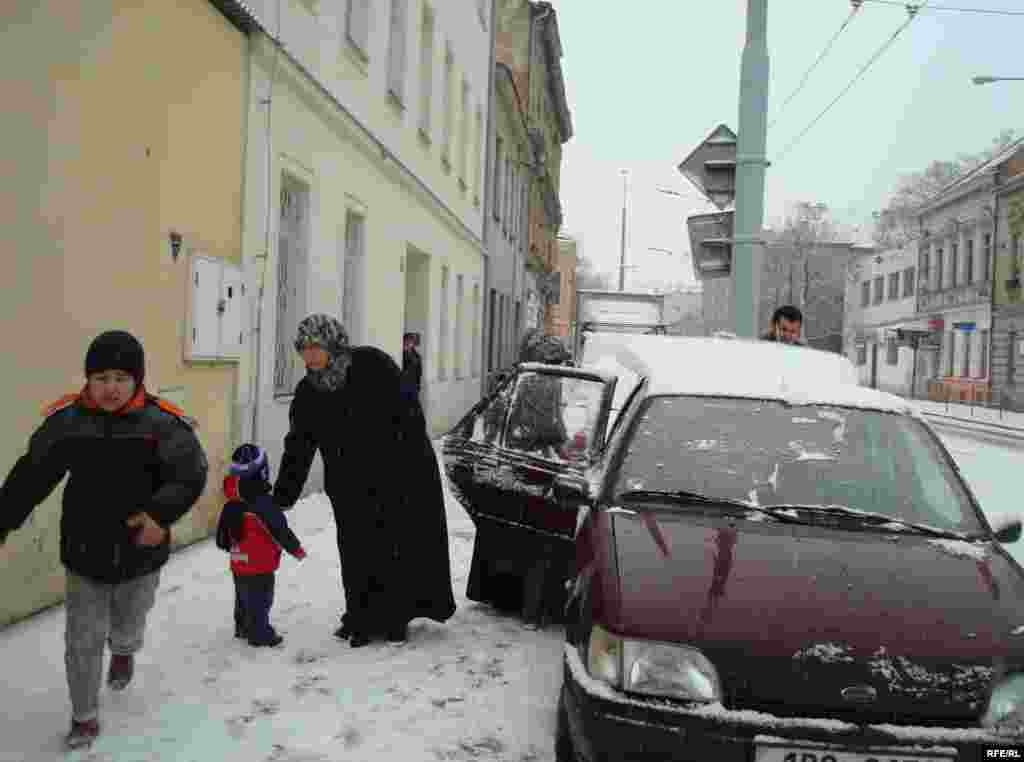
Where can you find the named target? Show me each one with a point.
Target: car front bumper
(606, 725)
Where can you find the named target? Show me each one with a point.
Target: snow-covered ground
(480, 687)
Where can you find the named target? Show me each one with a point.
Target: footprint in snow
(284, 754)
(351, 737)
(307, 683)
(306, 656)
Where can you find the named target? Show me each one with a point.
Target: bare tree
(809, 224)
(896, 224)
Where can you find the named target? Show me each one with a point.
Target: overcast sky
(647, 80)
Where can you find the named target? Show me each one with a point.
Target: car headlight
(651, 668)
(1005, 713)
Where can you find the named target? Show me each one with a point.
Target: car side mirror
(1008, 530)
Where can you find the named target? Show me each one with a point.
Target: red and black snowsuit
(253, 529)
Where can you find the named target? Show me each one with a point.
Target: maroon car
(776, 565)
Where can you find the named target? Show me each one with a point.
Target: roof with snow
(965, 179)
(733, 367)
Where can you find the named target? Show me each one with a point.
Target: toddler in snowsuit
(253, 529)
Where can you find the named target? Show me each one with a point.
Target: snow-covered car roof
(569, 370)
(733, 367)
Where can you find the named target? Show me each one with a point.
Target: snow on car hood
(816, 605)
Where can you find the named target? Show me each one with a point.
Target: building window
(986, 258)
(894, 286)
(449, 106)
(357, 25)
(492, 315)
(925, 270)
(862, 354)
(475, 349)
(352, 284)
(983, 355)
(426, 68)
(396, 50)
(478, 131)
(879, 289)
(939, 270)
(966, 369)
(892, 352)
(292, 254)
(442, 342)
(464, 135)
(908, 282)
(969, 262)
(496, 194)
(865, 293)
(459, 328)
(954, 264)
(950, 351)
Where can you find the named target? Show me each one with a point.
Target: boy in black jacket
(253, 529)
(136, 467)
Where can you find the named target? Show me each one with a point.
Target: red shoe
(82, 733)
(121, 670)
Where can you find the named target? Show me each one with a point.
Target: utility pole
(622, 246)
(751, 162)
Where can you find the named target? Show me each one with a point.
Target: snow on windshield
(769, 453)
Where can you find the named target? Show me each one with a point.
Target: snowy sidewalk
(477, 687)
(1002, 423)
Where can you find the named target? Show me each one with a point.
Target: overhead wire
(912, 11)
(820, 58)
(989, 11)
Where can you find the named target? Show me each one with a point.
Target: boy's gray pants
(96, 613)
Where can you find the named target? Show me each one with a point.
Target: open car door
(518, 459)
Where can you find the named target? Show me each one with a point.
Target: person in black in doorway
(392, 532)
(412, 367)
(787, 322)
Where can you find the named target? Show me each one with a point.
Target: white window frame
(478, 131)
(353, 276)
(442, 342)
(397, 46)
(908, 281)
(475, 348)
(292, 268)
(427, 33)
(464, 118)
(357, 26)
(459, 327)
(448, 126)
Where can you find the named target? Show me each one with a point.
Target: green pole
(751, 162)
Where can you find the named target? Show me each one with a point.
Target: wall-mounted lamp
(175, 240)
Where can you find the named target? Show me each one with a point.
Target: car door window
(487, 425)
(555, 416)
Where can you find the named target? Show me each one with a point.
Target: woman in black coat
(382, 478)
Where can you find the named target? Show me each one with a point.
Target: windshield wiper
(683, 496)
(868, 517)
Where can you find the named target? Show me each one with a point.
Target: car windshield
(770, 453)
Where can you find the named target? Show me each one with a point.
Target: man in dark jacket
(381, 476)
(136, 468)
(787, 321)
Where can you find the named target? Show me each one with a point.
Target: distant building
(881, 299)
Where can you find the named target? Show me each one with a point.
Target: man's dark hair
(788, 312)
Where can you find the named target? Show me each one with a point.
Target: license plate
(811, 752)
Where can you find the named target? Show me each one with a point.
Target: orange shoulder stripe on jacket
(60, 404)
(170, 407)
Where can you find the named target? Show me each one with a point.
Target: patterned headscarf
(544, 348)
(328, 334)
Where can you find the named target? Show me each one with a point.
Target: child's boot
(122, 667)
(82, 733)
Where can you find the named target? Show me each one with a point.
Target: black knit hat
(116, 350)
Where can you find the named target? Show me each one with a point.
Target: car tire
(564, 751)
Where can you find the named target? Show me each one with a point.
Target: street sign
(965, 326)
(711, 243)
(711, 167)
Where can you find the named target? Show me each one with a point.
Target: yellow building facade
(124, 126)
